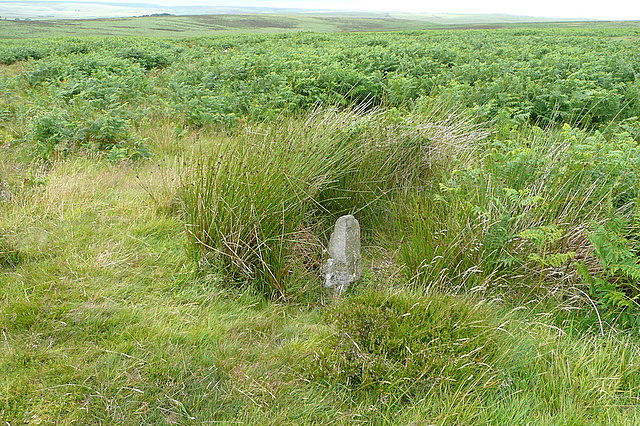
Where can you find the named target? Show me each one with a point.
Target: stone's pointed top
(344, 265)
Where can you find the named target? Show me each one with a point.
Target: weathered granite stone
(344, 265)
(5, 192)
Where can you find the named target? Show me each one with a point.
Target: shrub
(60, 133)
(146, 58)
(52, 135)
(396, 344)
(613, 279)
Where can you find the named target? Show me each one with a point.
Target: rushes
(247, 200)
(255, 197)
(483, 204)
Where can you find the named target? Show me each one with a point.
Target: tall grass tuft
(397, 155)
(9, 255)
(256, 204)
(519, 210)
(247, 201)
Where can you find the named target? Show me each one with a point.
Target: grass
(248, 201)
(254, 204)
(106, 318)
(202, 25)
(500, 258)
(207, 25)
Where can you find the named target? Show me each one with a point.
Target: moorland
(165, 203)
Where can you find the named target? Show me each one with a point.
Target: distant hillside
(203, 25)
(84, 10)
(460, 19)
(44, 19)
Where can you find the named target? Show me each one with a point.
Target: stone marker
(344, 265)
(5, 193)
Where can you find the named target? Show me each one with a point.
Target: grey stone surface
(344, 265)
(5, 192)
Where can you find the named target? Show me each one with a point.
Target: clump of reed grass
(399, 154)
(248, 200)
(518, 211)
(251, 201)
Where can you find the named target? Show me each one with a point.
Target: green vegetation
(164, 205)
(207, 25)
(194, 24)
(248, 200)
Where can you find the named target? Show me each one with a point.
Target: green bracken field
(165, 202)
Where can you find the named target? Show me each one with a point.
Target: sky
(607, 10)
